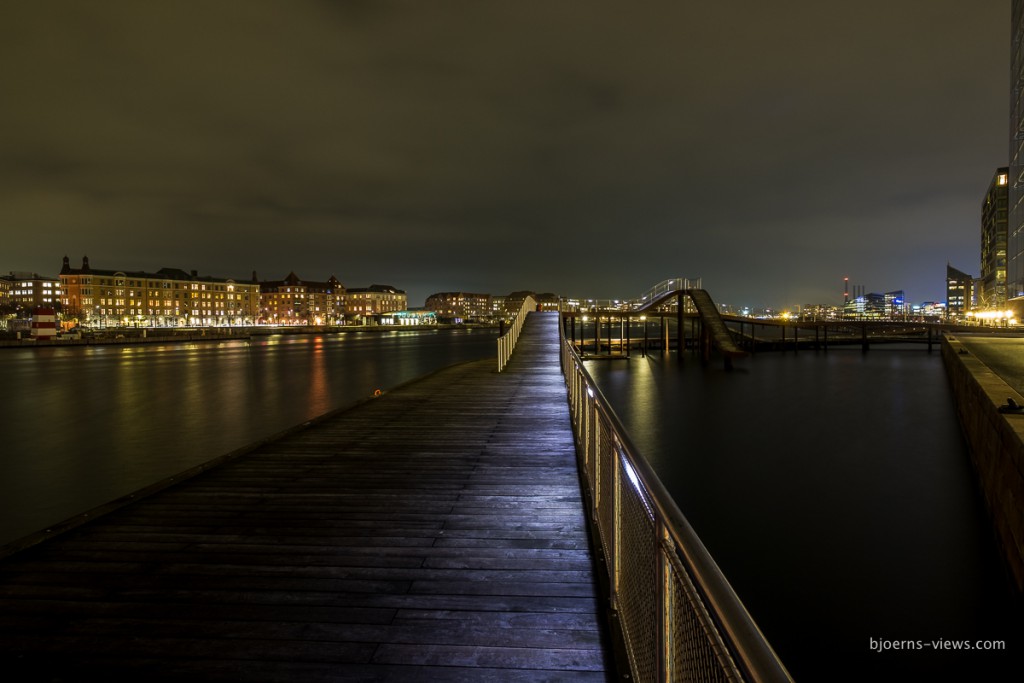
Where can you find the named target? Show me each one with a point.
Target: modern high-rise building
(959, 292)
(992, 293)
(1015, 237)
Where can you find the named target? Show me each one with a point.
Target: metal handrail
(680, 618)
(507, 341)
(667, 286)
(659, 290)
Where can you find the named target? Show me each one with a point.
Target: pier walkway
(433, 534)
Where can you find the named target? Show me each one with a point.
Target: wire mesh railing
(680, 618)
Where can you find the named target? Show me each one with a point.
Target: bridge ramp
(713, 322)
(436, 533)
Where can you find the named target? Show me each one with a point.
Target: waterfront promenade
(433, 534)
(1003, 355)
(987, 373)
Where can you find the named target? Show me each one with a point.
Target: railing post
(616, 518)
(664, 605)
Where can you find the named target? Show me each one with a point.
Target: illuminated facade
(992, 292)
(1015, 202)
(895, 305)
(460, 305)
(498, 305)
(25, 291)
(959, 292)
(374, 300)
(292, 301)
(166, 298)
(407, 318)
(547, 301)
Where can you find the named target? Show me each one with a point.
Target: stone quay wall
(996, 443)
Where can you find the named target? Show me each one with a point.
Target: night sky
(586, 148)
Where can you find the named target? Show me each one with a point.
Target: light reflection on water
(834, 490)
(85, 425)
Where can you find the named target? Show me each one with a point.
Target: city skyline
(567, 148)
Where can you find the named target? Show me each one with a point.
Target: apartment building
(167, 298)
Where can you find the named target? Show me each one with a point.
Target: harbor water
(833, 488)
(835, 491)
(85, 425)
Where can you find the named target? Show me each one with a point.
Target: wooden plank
(436, 533)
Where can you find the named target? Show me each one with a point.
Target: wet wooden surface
(433, 534)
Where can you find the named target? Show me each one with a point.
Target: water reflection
(86, 425)
(834, 490)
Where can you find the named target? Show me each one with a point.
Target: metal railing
(680, 618)
(670, 285)
(507, 341)
(658, 290)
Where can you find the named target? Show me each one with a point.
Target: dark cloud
(582, 147)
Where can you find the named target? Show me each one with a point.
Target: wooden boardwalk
(433, 534)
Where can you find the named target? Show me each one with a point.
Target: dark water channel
(834, 490)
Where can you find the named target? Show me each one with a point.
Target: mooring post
(680, 329)
(629, 337)
(643, 351)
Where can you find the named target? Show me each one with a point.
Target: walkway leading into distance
(436, 533)
(1003, 355)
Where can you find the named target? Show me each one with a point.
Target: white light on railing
(631, 473)
(590, 392)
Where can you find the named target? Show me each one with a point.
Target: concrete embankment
(996, 443)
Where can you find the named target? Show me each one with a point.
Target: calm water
(835, 491)
(83, 426)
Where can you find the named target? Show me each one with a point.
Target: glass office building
(1015, 239)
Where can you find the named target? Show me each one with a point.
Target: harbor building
(167, 298)
(460, 306)
(959, 292)
(370, 302)
(992, 292)
(1015, 176)
(25, 291)
(293, 301)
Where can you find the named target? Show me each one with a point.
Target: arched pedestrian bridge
(678, 297)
